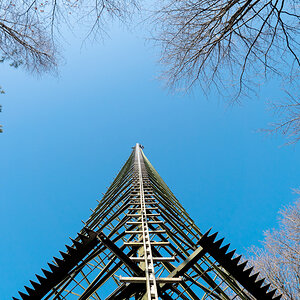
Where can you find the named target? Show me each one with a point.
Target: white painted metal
(138, 215)
(172, 258)
(149, 266)
(143, 279)
(140, 222)
(142, 243)
(149, 208)
(138, 231)
(144, 206)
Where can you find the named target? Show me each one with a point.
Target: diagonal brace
(121, 255)
(185, 266)
(180, 270)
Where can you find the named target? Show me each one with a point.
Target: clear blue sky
(66, 138)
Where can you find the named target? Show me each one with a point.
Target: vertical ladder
(149, 266)
(143, 203)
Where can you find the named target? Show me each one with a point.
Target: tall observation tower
(140, 243)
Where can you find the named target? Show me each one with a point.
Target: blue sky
(66, 137)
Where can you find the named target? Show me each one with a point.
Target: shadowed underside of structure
(140, 243)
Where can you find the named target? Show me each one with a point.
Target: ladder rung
(133, 243)
(168, 279)
(141, 243)
(155, 222)
(133, 215)
(157, 231)
(154, 258)
(132, 279)
(133, 231)
(140, 222)
(138, 215)
(140, 231)
(133, 222)
(138, 208)
(153, 215)
(172, 258)
(143, 279)
(139, 203)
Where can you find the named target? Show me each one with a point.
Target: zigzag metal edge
(62, 267)
(244, 277)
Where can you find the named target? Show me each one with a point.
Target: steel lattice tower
(140, 243)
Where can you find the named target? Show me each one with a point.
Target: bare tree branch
(24, 38)
(288, 122)
(28, 29)
(279, 258)
(234, 43)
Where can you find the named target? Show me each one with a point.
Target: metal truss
(140, 243)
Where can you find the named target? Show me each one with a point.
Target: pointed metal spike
(24, 296)
(71, 250)
(84, 238)
(224, 248)
(48, 274)
(65, 255)
(271, 294)
(203, 237)
(236, 259)
(90, 232)
(77, 244)
(59, 261)
(265, 288)
(254, 277)
(207, 232)
(53, 267)
(259, 282)
(30, 291)
(218, 243)
(212, 236)
(248, 272)
(41, 279)
(242, 265)
(230, 254)
(35, 285)
(277, 297)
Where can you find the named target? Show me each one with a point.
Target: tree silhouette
(279, 258)
(232, 45)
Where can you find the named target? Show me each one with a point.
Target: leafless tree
(231, 44)
(288, 122)
(279, 259)
(24, 38)
(28, 29)
(202, 39)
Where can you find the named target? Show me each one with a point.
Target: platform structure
(140, 243)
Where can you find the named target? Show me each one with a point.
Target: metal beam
(121, 255)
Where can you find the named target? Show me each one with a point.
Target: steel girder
(140, 243)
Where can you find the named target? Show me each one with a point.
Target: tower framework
(140, 243)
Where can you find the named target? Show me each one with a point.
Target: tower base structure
(140, 243)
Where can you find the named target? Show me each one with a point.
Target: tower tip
(137, 145)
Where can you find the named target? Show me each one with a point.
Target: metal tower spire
(140, 243)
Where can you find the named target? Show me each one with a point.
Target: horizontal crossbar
(143, 279)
